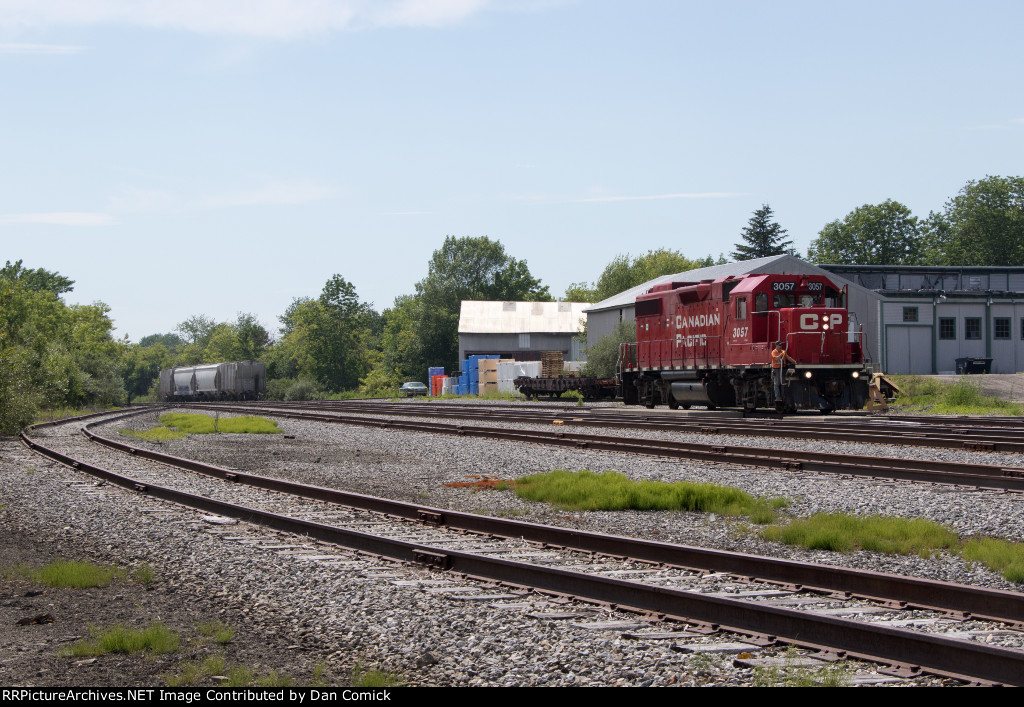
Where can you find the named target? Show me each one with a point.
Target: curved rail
(937, 654)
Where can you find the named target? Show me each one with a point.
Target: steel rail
(948, 438)
(986, 476)
(961, 599)
(908, 651)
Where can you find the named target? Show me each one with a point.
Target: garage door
(909, 349)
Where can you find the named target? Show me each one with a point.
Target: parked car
(411, 389)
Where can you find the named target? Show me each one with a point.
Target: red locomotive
(710, 343)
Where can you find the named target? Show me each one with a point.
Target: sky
(184, 157)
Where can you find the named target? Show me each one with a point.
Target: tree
(982, 225)
(625, 271)
(253, 338)
(467, 269)
(52, 354)
(763, 237)
(873, 234)
(168, 341)
(37, 280)
(603, 356)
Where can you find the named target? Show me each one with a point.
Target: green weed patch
(999, 555)
(74, 574)
(157, 434)
(843, 532)
(612, 491)
(121, 639)
(964, 397)
(176, 425)
(205, 424)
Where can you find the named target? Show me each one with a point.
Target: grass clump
(205, 424)
(999, 555)
(120, 639)
(843, 532)
(613, 491)
(793, 675)
(194, 673)
(74, 574)
(373, 678)
(144, 574)
(217, 631)
(157, 434)
(964, 397)
(176, 425)
(242, 676)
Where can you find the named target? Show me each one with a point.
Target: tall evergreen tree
(763, 237)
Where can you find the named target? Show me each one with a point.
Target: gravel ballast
(369, 611)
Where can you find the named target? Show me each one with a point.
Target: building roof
(476, 317)
(770, 264)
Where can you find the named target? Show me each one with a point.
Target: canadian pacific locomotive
(237, 380)
(709, 343)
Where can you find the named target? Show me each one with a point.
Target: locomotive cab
(809, 315)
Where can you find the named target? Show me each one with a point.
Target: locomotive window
(783, 300)
(808, 300)
(833, 298)
(741, 307)
(761, 302)
(648, 307)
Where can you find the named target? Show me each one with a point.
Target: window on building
(910, 314)
(524, 341)
(947, 328)
(1001, 327)
(972, 328)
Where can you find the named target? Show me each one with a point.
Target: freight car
(591, 388)
(236, 380)
(710, 342)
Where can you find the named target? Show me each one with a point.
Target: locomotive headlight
(855, 374)
(824, 326)
(807, 374)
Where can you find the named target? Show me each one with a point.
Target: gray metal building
(928, 317)
(915, 319)
(521, 330)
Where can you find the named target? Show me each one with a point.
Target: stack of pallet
(488, 380)
(552, 364)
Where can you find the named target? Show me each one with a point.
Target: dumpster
(973, 365)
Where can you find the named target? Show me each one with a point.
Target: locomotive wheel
(673, 404)
(685, 406)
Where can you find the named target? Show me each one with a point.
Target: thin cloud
(653, 197)
(260, 18)
(7, 48)
(605, 198)
(272, 195)
(61, 218)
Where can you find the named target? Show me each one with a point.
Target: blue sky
(178, 157)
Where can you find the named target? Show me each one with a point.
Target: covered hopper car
(710, 342)
(236, 380)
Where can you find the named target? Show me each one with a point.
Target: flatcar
(235, 380)
(710, 343)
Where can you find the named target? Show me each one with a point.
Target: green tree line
(56, 355)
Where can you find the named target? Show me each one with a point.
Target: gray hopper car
(237, 380)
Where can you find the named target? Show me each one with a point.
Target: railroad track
(974, 475)
(708, 590)
(1001, 436)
